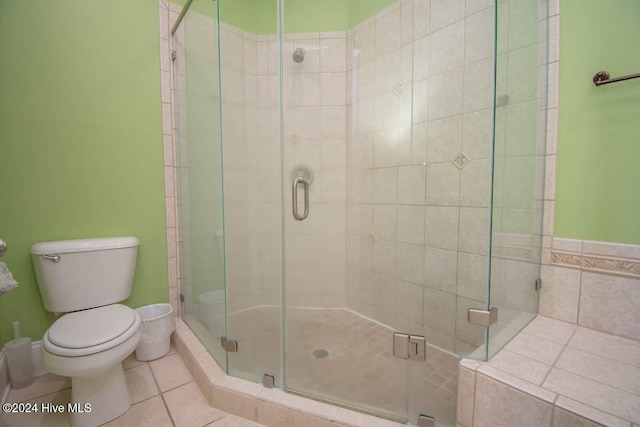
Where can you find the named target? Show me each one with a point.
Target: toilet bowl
(86, 279)
(89, 346)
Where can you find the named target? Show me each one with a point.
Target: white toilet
(86, 279)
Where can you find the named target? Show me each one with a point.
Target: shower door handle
(294, 199)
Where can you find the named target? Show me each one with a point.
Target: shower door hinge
(230, 346)
(181, 297)
(173, 55)
(479, 317)
(411, 347)
(268, 380)
(538, 284)
(426, 421)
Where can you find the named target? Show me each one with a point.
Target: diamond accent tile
(399, 88)
(372, 238)
(294, 140)
(461, 160)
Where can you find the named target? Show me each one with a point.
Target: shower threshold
(359, 370)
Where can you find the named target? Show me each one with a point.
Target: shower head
(298, 55)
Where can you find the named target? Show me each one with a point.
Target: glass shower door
(250, 74)
(348, 106)
(198, 144)
(519, 166)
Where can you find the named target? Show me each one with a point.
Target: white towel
(6, 279)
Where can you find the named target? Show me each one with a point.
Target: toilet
(84, 280)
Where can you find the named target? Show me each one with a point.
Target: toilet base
(95, 401)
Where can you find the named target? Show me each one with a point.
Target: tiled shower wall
(314, 135)
(419, 167)
(568, 265)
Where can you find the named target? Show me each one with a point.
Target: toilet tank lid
(84, 245)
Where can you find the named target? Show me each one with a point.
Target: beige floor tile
(170, 372)
(233, 421)
(131, 362)
(41, 386)
(141, 383)
(40, 418)
(151, 413)
(189, 408)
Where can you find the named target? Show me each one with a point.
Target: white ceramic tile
(188, 407)
(499, 404)
(475, 183)
(600, 396)
(440, 269)
(520, 366)
(559, 294)
(474, 230)
(588, 412)
(551, 329)
(410, 259)
(445, 12)
(443, 184)
(388, 32)
(332, 55)
(151, 413)
(170, 372)
(617, 296)
(605, 345)
(333, 89)
(515, 383)
(535, 348)
(444, 139)
(478, 90)
(439, 311)
(441, 227)
(410, 224)
(446, 93)
(472, 273)
(306, 89)
(141, 383)
(447, 49)
(600, 369)
(411, 185)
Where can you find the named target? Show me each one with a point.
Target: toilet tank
(79, 274)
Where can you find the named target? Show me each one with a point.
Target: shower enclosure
(360, 191)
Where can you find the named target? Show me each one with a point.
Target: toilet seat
(91, 331)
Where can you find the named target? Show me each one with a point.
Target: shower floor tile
(339, 356)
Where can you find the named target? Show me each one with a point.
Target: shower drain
(320, 353)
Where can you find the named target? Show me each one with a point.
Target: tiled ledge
(554, 374)
(270, 407)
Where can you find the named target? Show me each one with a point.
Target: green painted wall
(360, 10)
(301, 16)
(597, 195)
(80, 140)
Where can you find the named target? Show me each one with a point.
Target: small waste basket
(210, 311)
(157, 326)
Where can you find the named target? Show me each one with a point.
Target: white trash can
(158, 324)
(210, 311)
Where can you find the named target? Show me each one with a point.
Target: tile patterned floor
(590, 371)
(163, 391)
(359, 368)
